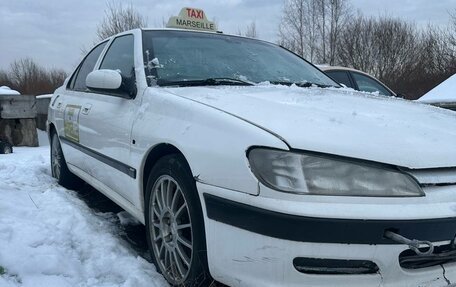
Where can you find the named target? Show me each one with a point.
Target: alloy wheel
(56, 158)
(171, 229)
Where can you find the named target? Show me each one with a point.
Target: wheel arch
(154, 154)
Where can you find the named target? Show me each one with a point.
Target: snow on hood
(443, 93)
(4, 90)
(342, 122)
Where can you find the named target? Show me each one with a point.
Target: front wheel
(59, 167)
(174, 223)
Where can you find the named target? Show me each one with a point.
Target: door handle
(86, 109)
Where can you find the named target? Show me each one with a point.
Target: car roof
(333, 68)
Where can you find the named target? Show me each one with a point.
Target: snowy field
(49, 236)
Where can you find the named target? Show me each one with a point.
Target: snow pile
(4, 90)
(443, 93)
(49, 237)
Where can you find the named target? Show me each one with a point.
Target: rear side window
(370, 85)
(341, 77)
(120, 56)
(78, 82)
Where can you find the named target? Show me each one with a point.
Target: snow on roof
(4, 90)
(443, 93)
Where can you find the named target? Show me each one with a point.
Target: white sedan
(250, 166)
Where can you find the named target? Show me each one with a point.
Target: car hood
(341, 122)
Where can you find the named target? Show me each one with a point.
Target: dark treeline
(409, 59)
(29, 78)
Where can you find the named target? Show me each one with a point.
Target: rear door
(106, 121)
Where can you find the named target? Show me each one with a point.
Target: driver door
(106, 121)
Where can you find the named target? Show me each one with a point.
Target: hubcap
(7, 150)
(55, 158)
(171, 230)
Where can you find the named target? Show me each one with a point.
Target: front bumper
(345, 231)
(251, 246)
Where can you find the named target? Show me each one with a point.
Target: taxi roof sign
(191, 18)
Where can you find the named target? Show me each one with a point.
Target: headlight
(315, 174)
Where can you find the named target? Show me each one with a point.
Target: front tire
(175, 225)
(59, 167)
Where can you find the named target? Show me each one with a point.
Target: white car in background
(444, 95)
(250, 166)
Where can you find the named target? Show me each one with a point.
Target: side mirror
(104, 80)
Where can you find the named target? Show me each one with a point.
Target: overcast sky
(53, 32)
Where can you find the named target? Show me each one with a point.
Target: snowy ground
(50, 236)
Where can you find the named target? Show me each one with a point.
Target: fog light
(334, 266)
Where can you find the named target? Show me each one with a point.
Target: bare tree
(298, 27)
(356, 48)
(56, 78)
(4, 79)
(119, 18)
(339, 12)
(25, 75)
(29, 78)
(311, 28)
(451, 37)
(250, 31)
(409, 60)
(397, 43)
(383, 46)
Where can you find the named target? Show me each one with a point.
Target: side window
(370, 85)
(78, 82)
(341, 77)
(120, 56)
(73, 78)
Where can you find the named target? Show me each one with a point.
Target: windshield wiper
(204, 82)
(300, 84)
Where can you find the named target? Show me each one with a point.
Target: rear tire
(59, 167)
(175, 224)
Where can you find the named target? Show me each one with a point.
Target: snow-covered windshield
(179, 57)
